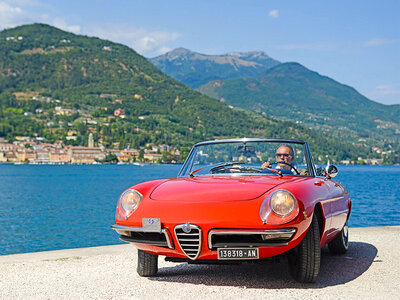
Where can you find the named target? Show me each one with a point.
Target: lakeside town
(34, 151)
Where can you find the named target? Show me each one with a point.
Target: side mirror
(321, 171)
(332, 171)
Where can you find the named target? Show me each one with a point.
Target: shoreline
(370, 269)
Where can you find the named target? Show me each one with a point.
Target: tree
(141, 155)
(110, 158)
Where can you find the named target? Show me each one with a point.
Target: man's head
(284, 153)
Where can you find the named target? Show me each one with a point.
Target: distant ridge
(290, 91)
(195, 69)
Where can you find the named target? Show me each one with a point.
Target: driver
(285, 154)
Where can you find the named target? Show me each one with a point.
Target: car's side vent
(189, 239)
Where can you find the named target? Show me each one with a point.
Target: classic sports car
(238, 200)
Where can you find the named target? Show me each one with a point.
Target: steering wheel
(285, 163)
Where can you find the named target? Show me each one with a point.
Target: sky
(354, 42)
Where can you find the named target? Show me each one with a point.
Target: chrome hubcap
(345, 232)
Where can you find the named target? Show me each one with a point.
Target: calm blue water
(46, 207)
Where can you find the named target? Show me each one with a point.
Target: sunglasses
(282, 154)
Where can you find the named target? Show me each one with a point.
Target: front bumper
(221, 238)
(140, 236)
(195, 243)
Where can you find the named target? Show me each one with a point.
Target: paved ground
(370, 270)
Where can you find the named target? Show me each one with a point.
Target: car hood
(217, 188)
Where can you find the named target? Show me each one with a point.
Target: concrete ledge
(370, 269)
(64, 253)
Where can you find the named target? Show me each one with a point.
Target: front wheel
(147, 264)
(340, 243)
(305, 259)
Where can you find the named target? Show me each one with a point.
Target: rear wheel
(340, 243)
(304, 260)
(147, 264)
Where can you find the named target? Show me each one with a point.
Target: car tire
(340, 243)
(147, 264)
(305, 259)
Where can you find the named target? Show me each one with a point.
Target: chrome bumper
(126, 231)
(217, 238)
(220, 238)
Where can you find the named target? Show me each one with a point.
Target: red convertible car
(238, 200)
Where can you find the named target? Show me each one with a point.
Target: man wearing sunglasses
(284, 154)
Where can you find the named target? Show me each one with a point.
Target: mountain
(195, 69)
(290, 91)
(60, 86)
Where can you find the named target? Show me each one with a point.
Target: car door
(340, 204)
(323, 192)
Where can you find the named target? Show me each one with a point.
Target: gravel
(370, 269)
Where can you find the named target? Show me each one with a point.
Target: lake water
(48, 207)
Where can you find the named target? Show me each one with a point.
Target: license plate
(237, 253)
(151, 224)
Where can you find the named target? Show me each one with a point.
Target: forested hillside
(53, 83)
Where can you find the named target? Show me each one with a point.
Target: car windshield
(247, 157)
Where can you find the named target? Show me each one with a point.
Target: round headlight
(129, 201)
(282, 203)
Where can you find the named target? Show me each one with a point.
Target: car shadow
(335, 270)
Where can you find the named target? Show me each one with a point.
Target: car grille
(189, 239)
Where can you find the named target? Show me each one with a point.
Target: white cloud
(387, 94)
(274, 13)
(163, 50)
(378, 42)
(11, 16)
(150, 43)
(14, 13)
(145, 42)
(62, 24)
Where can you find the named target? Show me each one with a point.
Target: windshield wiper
(246, 169)
(227, 164)
(191, 173)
